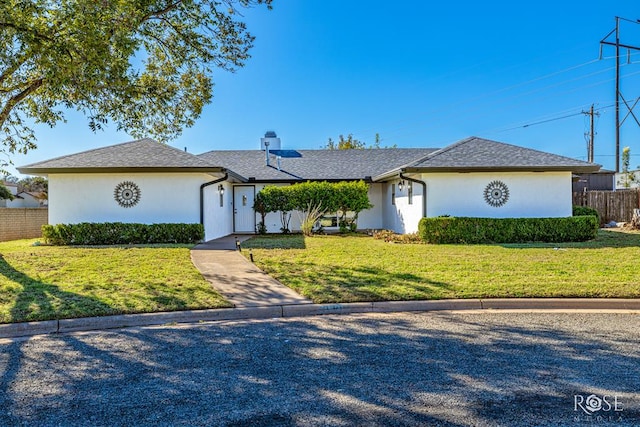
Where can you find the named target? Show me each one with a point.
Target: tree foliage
(33, 184)
(5, 194)
(350, 143)
(627, 177)
(144, 64)
(314, 199)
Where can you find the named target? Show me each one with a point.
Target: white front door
(244, 218)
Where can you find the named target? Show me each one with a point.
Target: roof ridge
(90, 151)
(320, 150)
(535, 150)
(440, 151)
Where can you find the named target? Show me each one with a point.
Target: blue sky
(419, 73)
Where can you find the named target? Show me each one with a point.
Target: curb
(13, 330)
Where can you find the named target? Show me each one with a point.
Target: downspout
(202, 187)
(424, 192)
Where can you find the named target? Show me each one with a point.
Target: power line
(485, 95)
(543, 121)
(618, 45)
(591, 135)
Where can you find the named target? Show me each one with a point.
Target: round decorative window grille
(127, 194)
(496, 193)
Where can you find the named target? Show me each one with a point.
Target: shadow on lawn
(37, 300)
(276, 241)
(345, 284)
(604, 239)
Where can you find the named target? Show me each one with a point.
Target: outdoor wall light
(220, 189)
(401, 184)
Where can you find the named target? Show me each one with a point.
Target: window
(410, 192)
(332, 219)
(393, 194)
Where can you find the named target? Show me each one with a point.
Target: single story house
(148, 182)
(22, 199)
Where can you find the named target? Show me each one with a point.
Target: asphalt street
(436, 368)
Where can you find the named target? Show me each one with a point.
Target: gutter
(202, 187)
(424, 192)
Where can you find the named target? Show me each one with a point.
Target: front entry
(244, 218)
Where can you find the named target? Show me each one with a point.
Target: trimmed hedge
(118, 233)
(585, 210)
(507, 230)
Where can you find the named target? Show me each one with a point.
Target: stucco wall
(373, 218)
(402, 217)
(169, 198)
(218, 221)
(531, 194)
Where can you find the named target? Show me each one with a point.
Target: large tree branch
(36, 34)
(157, 13)
(18, 98)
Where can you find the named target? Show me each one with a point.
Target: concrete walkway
(240, 281)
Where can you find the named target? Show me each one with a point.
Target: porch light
(221, 189)
(400, 185)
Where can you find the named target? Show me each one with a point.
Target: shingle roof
(467, 155)
(478, 154)
(314, 164)
(143, 154)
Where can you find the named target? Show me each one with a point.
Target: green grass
(360, 268)
(52, 282)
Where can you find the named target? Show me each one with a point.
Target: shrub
(261, 228)
(309, 217)
(507, 230)
(118, 233)
(390, 236)
(585, 210)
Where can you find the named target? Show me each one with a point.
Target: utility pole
(619, 96)
(591, 136)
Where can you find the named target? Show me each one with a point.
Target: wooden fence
(21, 223)
(611, 205)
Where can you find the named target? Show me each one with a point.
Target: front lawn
(360, 268)
(51, 282)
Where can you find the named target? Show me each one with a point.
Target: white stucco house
(22, 199)
(148, 182)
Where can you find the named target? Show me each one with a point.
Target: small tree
(5, 194)
(260, 206)
(312, 200)
(353, 197)
(273, 199)
(33, 183)
(627, 177)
